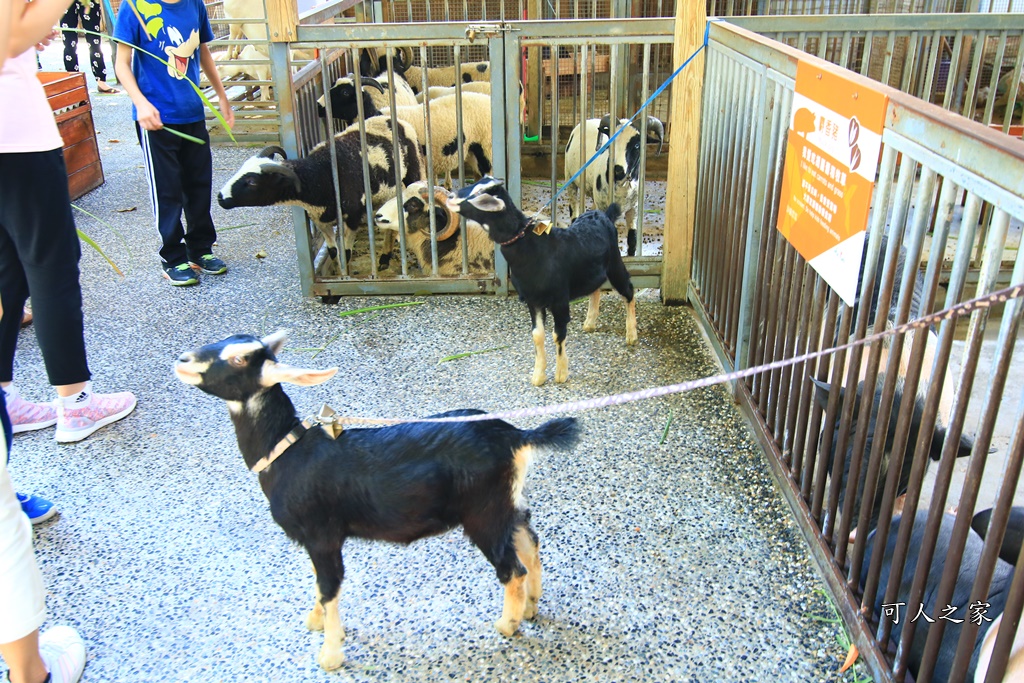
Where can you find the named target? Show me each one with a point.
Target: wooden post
(282, 18)
(684, 153)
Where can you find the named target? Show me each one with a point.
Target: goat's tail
(613, 212)
(560, 434)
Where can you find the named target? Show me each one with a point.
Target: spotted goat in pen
(609, 179)
(550, 268)
(397, 484)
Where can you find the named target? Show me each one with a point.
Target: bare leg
(561, 316)
(540, 361)
(22, 657)
(527, 550)
(515, 605)
(329, 574)
(631, 336)
(590, 324)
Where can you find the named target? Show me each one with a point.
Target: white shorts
(22, 605)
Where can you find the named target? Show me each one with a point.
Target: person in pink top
(56, 655)
(39, 249)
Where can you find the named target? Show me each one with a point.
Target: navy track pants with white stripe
(180, 176)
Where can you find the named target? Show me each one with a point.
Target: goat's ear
(286, 171)
(821, 392)
(276, 373)
(275, 342)
(604, 127)
(487, 202)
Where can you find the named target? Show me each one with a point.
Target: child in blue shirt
(180, 172)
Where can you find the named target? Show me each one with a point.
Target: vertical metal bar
(755, 217)
(869, 44)
(975, 334)
(822, 445)
(810, 325)
(993, 80)
(333, 149)
(972, 83)
(952, 74)
(1008, 332)
(582, 198)
(641, 191)
(927, 93)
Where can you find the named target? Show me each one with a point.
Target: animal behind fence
(396, 484)
(550, 268)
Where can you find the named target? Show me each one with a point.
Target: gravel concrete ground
(668, 553)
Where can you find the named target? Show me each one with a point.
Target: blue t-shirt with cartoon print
(176, 29)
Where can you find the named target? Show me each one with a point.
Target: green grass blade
(88, 240)
(236, 227)
(470, 353)
(110, 227)
(368, 309)
(186, 136)
(664, 432)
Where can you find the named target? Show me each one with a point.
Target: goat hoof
(589, 327)
(561, 377)
(531, 609)
(506, 627)
(315, 620)
(538, 379)
(330, 658)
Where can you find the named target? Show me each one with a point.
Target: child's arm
(149, 117)
(210, 69)
(31, 22)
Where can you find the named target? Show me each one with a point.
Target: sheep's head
(417, 218)
(242, 366)
(487, 203)
(343, 98)
(261, 181)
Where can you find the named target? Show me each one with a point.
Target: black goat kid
(397, 484)
(551, 267)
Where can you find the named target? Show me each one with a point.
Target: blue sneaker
(38, 509)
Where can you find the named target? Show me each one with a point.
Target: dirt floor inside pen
(668, 553)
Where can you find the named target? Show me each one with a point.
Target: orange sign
(835, 137)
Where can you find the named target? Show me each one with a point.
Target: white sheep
(438, 91)
(480, 248)
(245, 9)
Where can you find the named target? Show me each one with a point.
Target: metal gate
(947, 214)
(627, 47)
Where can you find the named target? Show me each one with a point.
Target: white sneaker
(63, 653)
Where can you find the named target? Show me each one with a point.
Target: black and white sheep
(446, 148)
(374, 90)
(624, 168)
(444, 76)
(550, 268)
(308, 182)
(480, 248)
(396, 484)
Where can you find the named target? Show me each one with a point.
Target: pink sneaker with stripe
(80, 416)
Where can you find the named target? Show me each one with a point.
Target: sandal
(107, 89)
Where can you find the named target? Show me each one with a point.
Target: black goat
(307, 182)
(396, 484)
(550, 268)
(861, 412)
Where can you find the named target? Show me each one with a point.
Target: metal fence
(946, 209)
(967, 63)
(512, 48)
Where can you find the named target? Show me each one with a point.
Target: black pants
(180, 181)
(90, 19)
(39, 253)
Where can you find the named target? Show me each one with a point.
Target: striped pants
(180, 176)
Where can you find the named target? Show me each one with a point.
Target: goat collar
(522, 233)
(291, 437)
(327, 418)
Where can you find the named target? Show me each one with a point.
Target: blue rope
(661, 88)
